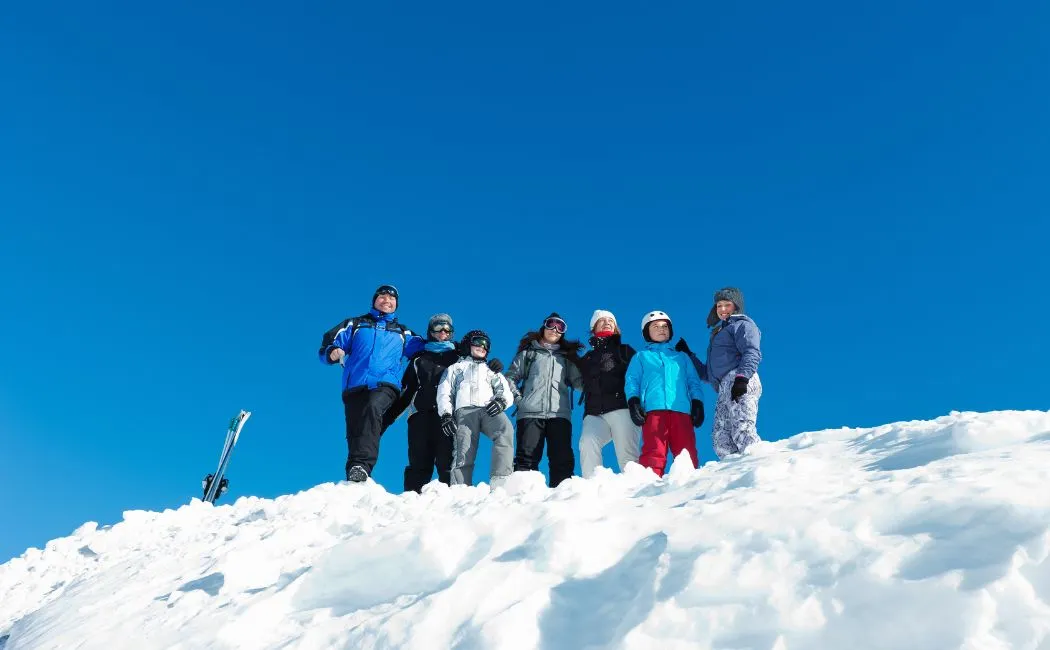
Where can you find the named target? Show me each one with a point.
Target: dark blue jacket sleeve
(748, 341)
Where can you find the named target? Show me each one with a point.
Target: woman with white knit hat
(606, 418)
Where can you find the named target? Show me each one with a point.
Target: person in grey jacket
(543, 371)
(733, 356)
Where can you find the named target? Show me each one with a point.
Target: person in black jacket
(428, 446)
(606, 416)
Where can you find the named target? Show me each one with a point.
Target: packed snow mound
(922, 535)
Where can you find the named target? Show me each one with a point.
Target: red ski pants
(662, 428)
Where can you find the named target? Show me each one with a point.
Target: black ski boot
(357, 474)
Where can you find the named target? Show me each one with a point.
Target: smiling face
(659, 331)
(385, 303)
(551, 336)
(604, 326)
(725, 309)
(441, 334)
(478, 352)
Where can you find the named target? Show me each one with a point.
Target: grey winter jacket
(736, 345)
(544, 393)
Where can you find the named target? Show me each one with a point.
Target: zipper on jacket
(550, 389)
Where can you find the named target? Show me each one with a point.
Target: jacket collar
(599, 343)
(659, 347)
(380, 316)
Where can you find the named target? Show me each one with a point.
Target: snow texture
(922, 535)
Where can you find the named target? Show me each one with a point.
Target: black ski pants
(428, 447)
(364, 411)
(557, 432)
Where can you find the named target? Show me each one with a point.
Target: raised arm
(414, 344)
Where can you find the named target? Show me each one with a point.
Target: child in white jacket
(471, 400)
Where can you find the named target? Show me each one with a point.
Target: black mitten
(682, 346)
(739, 388)
(698, 413)
(448, 425)
(637, 414)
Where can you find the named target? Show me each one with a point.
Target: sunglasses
(556, 324)
(442, 327)
(388, 290)
(480, 341)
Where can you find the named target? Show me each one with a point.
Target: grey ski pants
(472, 421)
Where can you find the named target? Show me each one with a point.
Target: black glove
(448, 425)
(495, 365)
(698, 413)
(495, 406)
(637, 414)
(739, 388)
(682, 346)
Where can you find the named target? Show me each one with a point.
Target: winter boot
(357, 474)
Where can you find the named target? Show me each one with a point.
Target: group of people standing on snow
(455, 393)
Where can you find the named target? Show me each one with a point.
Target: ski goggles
(387, 289)
(479, 341)
(556, 324)
(441, 327)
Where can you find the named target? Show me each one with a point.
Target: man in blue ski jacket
(372, 349)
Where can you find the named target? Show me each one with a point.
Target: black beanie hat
(731, 294)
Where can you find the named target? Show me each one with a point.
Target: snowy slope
(921, 535)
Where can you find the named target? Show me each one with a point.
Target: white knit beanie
(601, 313)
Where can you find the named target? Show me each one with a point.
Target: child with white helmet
(606, 417)
(664, 395)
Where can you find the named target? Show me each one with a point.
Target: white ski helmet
(653, 316)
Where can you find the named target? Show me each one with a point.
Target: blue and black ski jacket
(376, 347)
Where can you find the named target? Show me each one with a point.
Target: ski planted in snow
(215, 484)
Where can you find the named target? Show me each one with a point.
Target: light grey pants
(734, 429)
(472, 421)
(599, 430)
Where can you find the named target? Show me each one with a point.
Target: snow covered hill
(922, 535)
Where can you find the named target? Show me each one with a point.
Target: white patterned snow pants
(734, 427)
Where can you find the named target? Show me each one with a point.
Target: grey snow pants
(472, 421)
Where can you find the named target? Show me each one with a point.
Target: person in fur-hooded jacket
(541, 374)
(733, 356)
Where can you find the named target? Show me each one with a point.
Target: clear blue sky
(190, 195)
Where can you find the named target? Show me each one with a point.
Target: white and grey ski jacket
(470, 382)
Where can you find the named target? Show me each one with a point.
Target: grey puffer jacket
(541, 378)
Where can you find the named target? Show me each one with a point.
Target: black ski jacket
(604, 368)
(419, 385)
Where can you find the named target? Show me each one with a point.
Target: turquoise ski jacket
(664, 379)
